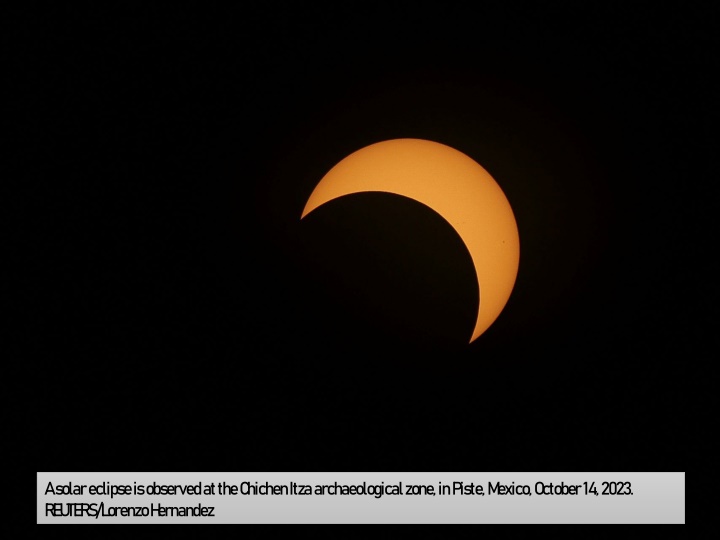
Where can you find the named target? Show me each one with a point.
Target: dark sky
(186, 319)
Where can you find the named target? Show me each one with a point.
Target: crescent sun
(453, 185)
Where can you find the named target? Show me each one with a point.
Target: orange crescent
(454, 186)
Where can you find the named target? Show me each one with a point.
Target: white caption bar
(355, 498)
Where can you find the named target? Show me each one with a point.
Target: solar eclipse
(451, 184)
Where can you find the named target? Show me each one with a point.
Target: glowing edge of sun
(455, 186)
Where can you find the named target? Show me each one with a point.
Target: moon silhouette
(453, 185)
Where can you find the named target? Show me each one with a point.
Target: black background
(185, 319)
